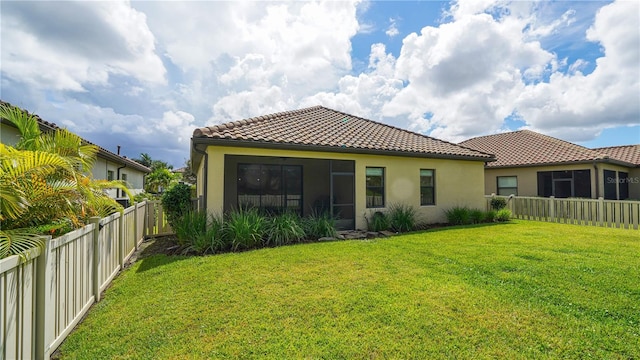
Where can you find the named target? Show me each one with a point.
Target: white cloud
(606, 97)
(392, 30)
(45, 49)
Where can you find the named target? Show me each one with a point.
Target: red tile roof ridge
(310, 126)
(527, 148)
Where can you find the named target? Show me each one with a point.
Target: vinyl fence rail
(594, 212)
(44, 297)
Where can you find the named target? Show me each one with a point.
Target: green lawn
(516, 290)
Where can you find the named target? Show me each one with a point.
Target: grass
(515, 290)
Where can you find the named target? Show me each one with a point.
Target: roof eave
(559, 163)
(331, 149)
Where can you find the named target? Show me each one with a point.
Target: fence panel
(17, 318)
(42, 299)
(594, 212)
(141, 210)
(129, 231)
(71, 281)
(109, 249)
(156, 219)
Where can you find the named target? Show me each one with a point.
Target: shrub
(490, 216)
(503, 215)
(476, 216)
(379, 221)
(176, 202)
(402, 217)
(212, 240)
(498, 203)
(244, 228)
(283, 229)
(317, 226)
(200, 233)
(458, 215)
(55, 228)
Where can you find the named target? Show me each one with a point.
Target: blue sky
(144, 75)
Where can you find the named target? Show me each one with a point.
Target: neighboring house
(317, 159)
(108, 165)
(533, 164)
(631, 179)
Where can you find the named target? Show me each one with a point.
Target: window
(124, 177)
(616, 187)
(110, 175)
(507, 185)
(375, 187)
(623, 185)
(427, 187)
(610, 185)
(274, 188)
(564, 184)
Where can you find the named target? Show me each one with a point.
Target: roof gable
(332, 130)
(529, 148)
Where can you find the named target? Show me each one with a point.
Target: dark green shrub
(200, 233)
(503, 215)
(498, 203)
(244, 228)
(212, 240)
(176, 202)
(458, 215)
(283, 229)
(490, 216)
(317, 226)
(379, 222)
(476, 216)
(55, 228)
(402, 217)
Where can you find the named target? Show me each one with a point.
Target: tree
(188, 175)
(43, 180)
(159, 180)
(144, 159)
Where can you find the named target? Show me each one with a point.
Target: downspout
(118, 191)
(205, 175)
(595, 167)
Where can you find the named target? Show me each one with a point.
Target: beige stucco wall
(9, 135)
(458, 182)
(634, 184)
(135, 178)
(528, 177)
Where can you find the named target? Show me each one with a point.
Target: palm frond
(17, 242)
(26, 123)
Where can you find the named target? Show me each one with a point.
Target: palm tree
(44, 179)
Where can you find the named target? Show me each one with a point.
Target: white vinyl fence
(595, 212)
(44, 297)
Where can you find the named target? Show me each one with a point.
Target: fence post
(552, 209)
(121, 240)
(95, 272)
(601, 211)
(44, 303)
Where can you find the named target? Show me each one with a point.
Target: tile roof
(528, 148)
(49, 126)
(626, 153)
(333, 130)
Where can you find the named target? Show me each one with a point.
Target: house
(108, 165)
(532, 164)
(318, 159)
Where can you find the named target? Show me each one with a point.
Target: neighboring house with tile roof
(319, 159)
(532, 164)
(108, 165)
